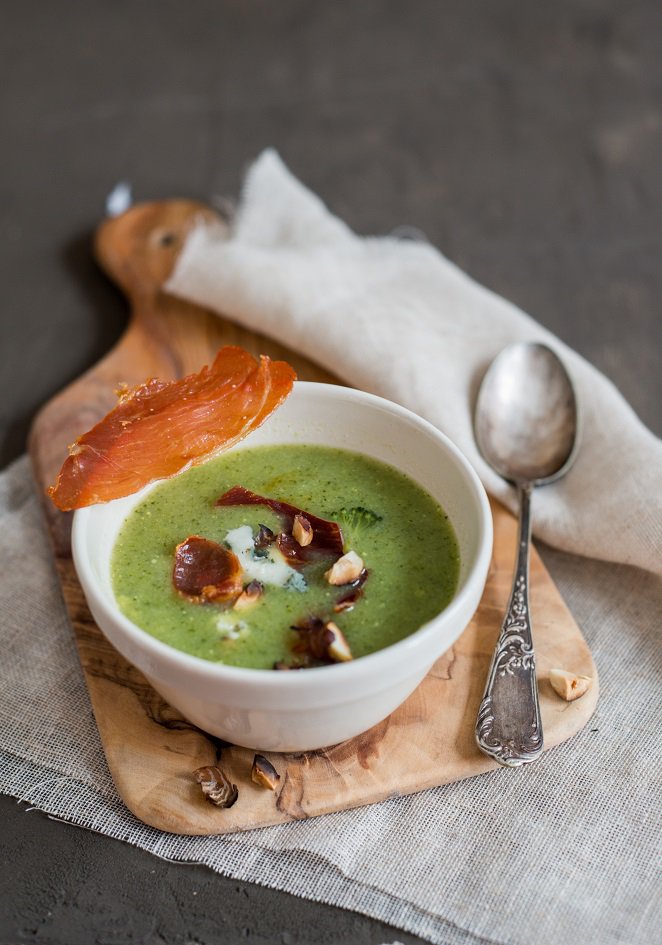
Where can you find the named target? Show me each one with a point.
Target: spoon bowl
(527, 429)
(526, 415)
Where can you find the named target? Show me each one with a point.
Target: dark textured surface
(524, 139)
(66, 886)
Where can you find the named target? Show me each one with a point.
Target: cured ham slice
(327, 535)
(160, 428)
(205, 571)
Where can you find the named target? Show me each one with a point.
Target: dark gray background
(524, 139)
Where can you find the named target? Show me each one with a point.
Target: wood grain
(151, 750)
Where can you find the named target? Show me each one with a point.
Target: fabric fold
(399, 319)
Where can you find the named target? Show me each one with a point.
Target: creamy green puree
(403, 536)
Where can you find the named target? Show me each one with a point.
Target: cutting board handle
(166, 337)
(138, 249)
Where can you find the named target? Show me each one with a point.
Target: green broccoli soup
(285, 557)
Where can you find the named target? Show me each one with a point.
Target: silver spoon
(526, 428)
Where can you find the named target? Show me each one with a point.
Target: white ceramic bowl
(313, 708)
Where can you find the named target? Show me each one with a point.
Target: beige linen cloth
(398, 319)
(563, 850)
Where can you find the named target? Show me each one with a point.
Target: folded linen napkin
(399, 319)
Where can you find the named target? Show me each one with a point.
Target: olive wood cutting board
(151, 750)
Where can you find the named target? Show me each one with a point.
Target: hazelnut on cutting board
(569, 686)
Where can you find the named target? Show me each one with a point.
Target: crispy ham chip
(291, 550)
(161, 428)
(327, 535)
(206, 572)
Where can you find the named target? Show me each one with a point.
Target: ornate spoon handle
(508, 728)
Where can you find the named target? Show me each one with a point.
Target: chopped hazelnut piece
(264, 538)
(338, 648)
(249, 596)
(264, 773)
(215, 786)
(349, 597)
(302, 530)
(312, 640)
(322, 641)
(568, 685)
(345, 570)
(346, 603)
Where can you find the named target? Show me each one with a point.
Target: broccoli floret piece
(357, 517)
(355, 521)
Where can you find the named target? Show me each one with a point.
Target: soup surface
(403, 536)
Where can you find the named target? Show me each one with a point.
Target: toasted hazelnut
(249, 596)
(346, 603)
(264, 773)
(215, 786)
(345, 570)
(349, 597)
(264, 538)
(319, 640)
(313, 639)
(568, 685)
(302, 530)
(338, 648)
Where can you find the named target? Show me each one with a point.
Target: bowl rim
(345, 672)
